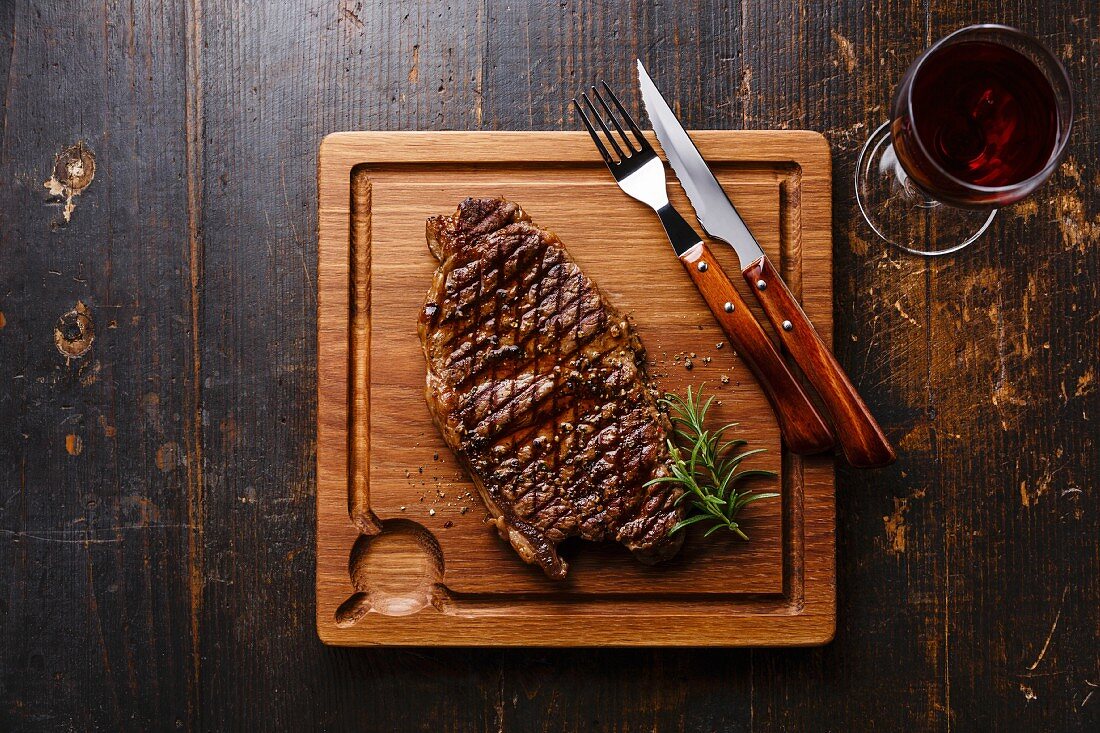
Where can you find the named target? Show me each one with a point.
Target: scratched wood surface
(157, 481)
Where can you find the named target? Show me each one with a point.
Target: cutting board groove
(403, 555)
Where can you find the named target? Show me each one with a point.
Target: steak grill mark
(539, 387)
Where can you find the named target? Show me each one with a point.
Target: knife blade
(641, 175)
(718, 216)
(860, 437)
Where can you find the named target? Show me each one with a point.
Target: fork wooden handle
(860, 437)
(804, 431)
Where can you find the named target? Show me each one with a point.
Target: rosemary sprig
(706, 466)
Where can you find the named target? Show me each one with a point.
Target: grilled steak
(538, 385)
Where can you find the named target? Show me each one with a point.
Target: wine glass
(979, 121)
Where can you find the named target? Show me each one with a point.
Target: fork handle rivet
(761, 285)
(728, 307)
(787, 325)
(702, 267)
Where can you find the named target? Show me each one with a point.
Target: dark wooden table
(157, 480)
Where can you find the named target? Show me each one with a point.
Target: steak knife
(861, 439)
(641, 175)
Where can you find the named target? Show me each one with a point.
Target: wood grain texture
(858, 434)
(94, 448)
(968, 572)
(803, 429)
(404, 556)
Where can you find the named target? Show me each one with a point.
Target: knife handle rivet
(788, 326)
(702, 267)
(761, 285)
(728, 307)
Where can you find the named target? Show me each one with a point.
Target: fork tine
(614, 120)
(599, 119)
(629, 120)
(592, 131)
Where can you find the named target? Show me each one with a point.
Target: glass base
(903, 215)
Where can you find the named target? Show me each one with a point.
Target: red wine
(984, 114)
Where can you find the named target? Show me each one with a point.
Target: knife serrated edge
(716, 213)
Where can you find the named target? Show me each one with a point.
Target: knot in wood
(74, 167)
(74, 333)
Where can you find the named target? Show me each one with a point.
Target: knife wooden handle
(860, 437)
(804, 431)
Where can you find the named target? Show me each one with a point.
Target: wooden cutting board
(403, 554)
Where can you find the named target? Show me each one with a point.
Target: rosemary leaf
(688, 522)
(703, 464)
